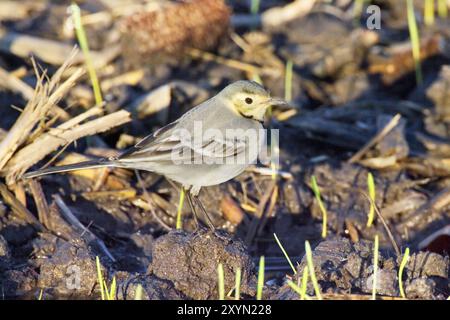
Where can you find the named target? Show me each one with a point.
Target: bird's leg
(194, 212)
(218, 233)
(207, 218)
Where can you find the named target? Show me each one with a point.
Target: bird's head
(249, 99)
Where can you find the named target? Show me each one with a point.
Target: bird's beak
(278, 102)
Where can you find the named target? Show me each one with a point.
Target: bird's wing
(172, 147)
(150, 141)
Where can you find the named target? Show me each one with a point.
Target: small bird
(206, 146)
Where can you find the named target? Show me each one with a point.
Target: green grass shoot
(442, 9)
(105, 294)
(139, 292)
(400, 272)
(371, 190)
(237, 286)
(41, 294)
(82, 40)
(375, 269)
(312, 273)
(428, 12)
(415, 40)
(179, 224)
(316, 191)
(288, 81)
(111, 293)
(285, 253)
(254, 7)
(221, 282)
(295, 287)
(301, 291)
(100, 277)
(259, 288)
(305, 276)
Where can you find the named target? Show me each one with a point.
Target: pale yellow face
(248, 99)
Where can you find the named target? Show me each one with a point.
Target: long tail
(70, 167)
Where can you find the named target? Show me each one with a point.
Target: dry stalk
(45, 96)
(65, 133)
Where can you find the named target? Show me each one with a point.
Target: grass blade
(100, 277)
(260, 286)
(139, 292)
(112, 289)
(237, 287)
(316, 191)
(442, 9)
(415, 39)
(371, 189)
(82, 40)
(254, 7)
(179, 224)
(285, 253)
(428, 14)
(400, 272)
(295, 287)
(221, 282)
(375, 269)
(305, 276)
(41, 294)
(312, 273)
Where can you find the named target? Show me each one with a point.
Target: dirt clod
(420, 288)
(345, 268)
(71, 272)
(428, 264)
(190, 261)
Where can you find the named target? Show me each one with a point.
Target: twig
(150, 203)
(260, 212)
(41, 202)
(19, 208)
(270, 171)
(50, 51)
(376, 139)
(383, 221)
(275, 16)
(207, 56)
(70, 217)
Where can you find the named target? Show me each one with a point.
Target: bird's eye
(248, 100)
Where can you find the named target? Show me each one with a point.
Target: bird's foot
(221, 234)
